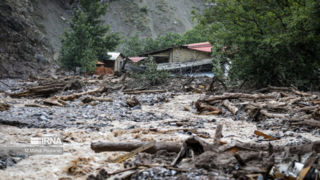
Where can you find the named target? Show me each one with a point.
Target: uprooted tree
(88, 40)
(268, 42)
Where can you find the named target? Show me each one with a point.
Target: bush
(151, 76)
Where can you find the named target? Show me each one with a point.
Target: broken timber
(101, 147)
(144, 91)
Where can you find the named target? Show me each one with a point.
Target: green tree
(88, 40)
(268, 42)
(134, 45)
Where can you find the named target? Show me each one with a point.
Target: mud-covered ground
(161, 116)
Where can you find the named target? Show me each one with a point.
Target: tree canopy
(88, 40)
(135, 45)
(268, 42)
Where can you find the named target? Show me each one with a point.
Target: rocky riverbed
(169, 116)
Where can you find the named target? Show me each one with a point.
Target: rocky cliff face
(24, 49)
(30, 29)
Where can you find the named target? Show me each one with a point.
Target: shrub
(151, 76)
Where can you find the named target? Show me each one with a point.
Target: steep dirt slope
(24, 50)
(30, 29)
(128, 17)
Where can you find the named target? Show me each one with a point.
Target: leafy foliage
(151, 76)
(268, 42)
(135, 46)
(87, 40)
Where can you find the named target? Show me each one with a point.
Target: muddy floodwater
(81, 124)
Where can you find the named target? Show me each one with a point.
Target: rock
(43, 118)
(41, 58)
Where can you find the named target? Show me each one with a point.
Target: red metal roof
(136, 59)
(204, 47)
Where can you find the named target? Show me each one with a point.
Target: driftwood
(60, 100)
(299, 149)
(35, 105)
(4, 107)
(233, 109)
(204, 107)
(195, 145)
(48, 89)
(133, 101)
(218, 134)
(144, 91)
(273, 115)
(241, 96)
(54, 102)
(40, 91)
(73, 96)
(101, 99)
(307, 122)
(101, 147)
(290, 89)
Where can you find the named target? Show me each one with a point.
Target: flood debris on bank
(282, 107)
(195, 158)
(186, 128)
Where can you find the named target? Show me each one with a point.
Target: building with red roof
(180, 54)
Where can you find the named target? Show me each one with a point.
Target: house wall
(117, 64)
(162, 57)
(179, 54)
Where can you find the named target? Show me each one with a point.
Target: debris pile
(282, 107)
(197, 159)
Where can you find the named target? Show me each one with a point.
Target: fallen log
(129, 146)
(316, 114)
(35, 105)
(40, 91)
(218, 135)
(241, 96)
(144, 91)
(273, 115)
(273, 88)
(100, 99)
(299, 149)
(47, 89)
(54, 102)
(204, 107)
(308, 122)
(233, 109)
(71, 97)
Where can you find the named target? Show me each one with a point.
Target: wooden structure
(114, 62)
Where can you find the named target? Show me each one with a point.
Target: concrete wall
(179, 54)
